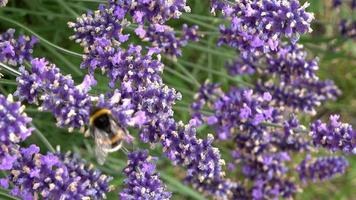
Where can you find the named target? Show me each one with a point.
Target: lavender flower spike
(322, 168)
(14, 51)
(14, 128)
(14, 124)
(334, 135)
(142, 181)
(70, 104)
(55, 176)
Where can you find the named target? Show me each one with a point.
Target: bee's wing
(119, 132)
(101, 145)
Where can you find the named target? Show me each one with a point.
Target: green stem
(41, 38)
(181, 187)
(43, 139)
(7, 82)
(212, 51)
(200, 23)
(65, 6)
(31, 12)
(174, 72)
(220, 73)
(4, 193)
(12, 71)
(64, 60)
(186, 72)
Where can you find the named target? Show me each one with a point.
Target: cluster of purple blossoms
(256, 30)
(334, 135)
(164, 38)
(290, 77)
(111, 21)
(259, 26)
(239, 109)
(70, 104)
(14, 128)
(14, 51)
(55, 176)
(31, 174)
(14, 124)
(322, 168)
(141, 87)
(142, 181)
(202, 160)
(261, 151)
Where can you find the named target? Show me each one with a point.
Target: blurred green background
(200, 61)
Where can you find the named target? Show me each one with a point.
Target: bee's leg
(126, 151)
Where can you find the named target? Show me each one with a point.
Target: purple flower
(57, 93)
(290, 62)
(334, 135)
(14, 123)
(164, 37)
(292, 138)
(238, 67)
(109, 22)
(106, 22)
(258, 26)
(273, 189)
(241, 109)
(202, 160)
(55, 176)
(131, 65)
(152, 11)
(208, 92)
(14, 51)
(322, 168)
(301, 94)
(142, 181)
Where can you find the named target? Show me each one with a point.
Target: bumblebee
(107, 133)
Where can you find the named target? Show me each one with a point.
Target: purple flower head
(334, 135)
(301, 94)
(106, 27)
(258, 26)
(322, 168)
(292, 138)
(291, 62)
(14, 123)
(238, 67)
(202, 160)
(207, 93)
(131, 65)
(151, 11)
(243, 110)
(273, 189)
(14, 51)
(164, 37)
(55, 176)
(44, 82)
(142, 181)
(106, 22)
